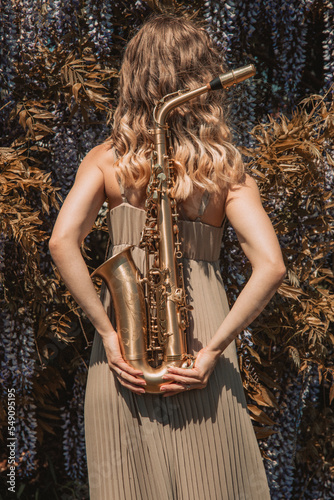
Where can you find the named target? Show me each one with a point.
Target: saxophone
(152, 311)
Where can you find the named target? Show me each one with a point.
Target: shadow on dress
(194, 406)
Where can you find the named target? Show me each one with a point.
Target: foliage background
(58, 75)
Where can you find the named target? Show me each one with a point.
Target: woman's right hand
(129, 377)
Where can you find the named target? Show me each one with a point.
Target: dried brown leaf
(263, 432)
(259, 416)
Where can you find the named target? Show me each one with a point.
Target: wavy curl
(170, 53)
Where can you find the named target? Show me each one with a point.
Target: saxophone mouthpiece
(233, 77)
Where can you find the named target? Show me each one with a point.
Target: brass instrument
(151, 312)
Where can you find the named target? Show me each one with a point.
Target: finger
(168, 388)
(132, 387)
(168, 394)
(124, 366)
(181, 380)
(126, 377)
(171, 389)
(181, 371)
(134, 384)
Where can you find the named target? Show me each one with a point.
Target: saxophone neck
(171, 101)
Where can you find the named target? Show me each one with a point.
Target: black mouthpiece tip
(215, 84)
(232, 77)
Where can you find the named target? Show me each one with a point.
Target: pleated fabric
(198, 445)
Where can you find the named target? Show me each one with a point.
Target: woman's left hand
(185, 379)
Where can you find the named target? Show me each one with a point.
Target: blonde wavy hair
(167, 54)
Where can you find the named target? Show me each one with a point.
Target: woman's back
(214, 203)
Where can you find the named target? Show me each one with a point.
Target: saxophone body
(151, 311)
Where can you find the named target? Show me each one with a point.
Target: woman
(195, 440)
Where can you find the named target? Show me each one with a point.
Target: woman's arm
(74, 222)
(259, 242)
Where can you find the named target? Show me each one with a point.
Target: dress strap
(121, 188)
(204, 203)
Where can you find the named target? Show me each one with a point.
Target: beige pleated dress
(197, 445)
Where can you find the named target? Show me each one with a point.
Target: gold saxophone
(152, 311)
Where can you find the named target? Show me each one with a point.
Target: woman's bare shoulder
(102, 158)
(99, 160)
(102, 155)
(247, 188)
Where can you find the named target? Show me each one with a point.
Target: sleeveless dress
(196, 445)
